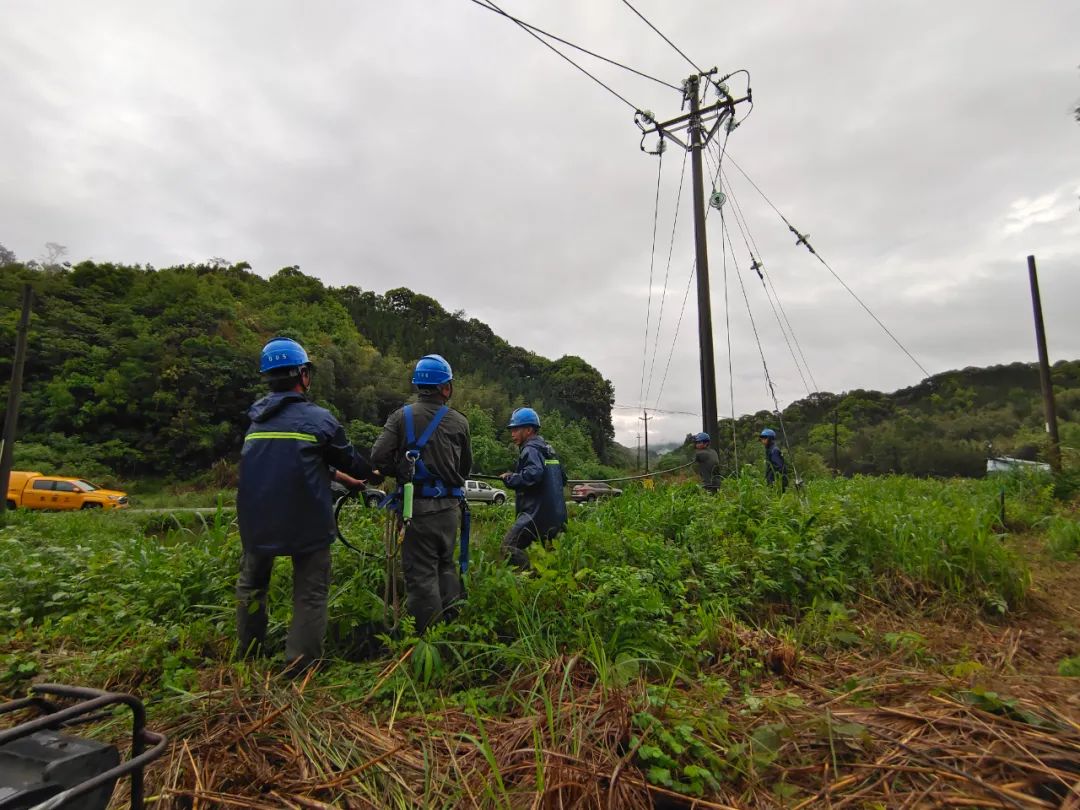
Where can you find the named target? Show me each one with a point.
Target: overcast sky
(926, 147)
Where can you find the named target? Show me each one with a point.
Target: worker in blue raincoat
(538, 482)
(775, 467)
(284, 505)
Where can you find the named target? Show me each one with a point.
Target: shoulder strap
(410, 433)
(425, 437)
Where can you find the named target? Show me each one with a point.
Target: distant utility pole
(835, 442)
(1044, 369)
(646, 419)
(11, 417)
(638, 452)
(702, 124)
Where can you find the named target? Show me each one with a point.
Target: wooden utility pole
(11, 416)
(1044, 369)
(702, 124)
(835, 443)
(701, 251)
(646, 419)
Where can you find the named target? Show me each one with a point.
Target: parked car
(371, 496)
(481, 491)
(32, 490)
(592, 491)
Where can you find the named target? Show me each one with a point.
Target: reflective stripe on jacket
(283, 501)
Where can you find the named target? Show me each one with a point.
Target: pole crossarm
(714, 113)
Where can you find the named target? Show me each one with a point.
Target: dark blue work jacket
(774, 463)
(538, 481)
(283, 502)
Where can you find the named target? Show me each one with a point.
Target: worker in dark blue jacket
(284, 504)
(774, 462)
(538, 482)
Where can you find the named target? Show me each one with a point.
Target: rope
(598, 480)
(652, 261)
(689, 280)
(667, 275)
(730, 371)
(765, 366)
(803, 239)
(668, 41)
(756, 265)
(547, 44)
(768, 278)
(549, 35)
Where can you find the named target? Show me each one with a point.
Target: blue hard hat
(702, 437)
(524, 417)
(432, 369)
(282, 353)
(768, 433)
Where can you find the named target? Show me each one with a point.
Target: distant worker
(428, 444)
(774, 462)
(707, 462)
(284, 505)
(538, 482)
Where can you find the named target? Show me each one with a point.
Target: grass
(648, 643)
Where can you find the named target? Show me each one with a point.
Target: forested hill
(145, 371)
(946, 425)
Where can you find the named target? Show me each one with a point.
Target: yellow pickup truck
(32, 490)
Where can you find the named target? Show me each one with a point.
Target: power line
(654, 410)
(667, 275)
(547, 44)
(803, 239)
(652, 260)
(668, 41)
(494, 9)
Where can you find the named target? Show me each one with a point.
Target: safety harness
(425, 484)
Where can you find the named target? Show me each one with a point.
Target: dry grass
(901, 737)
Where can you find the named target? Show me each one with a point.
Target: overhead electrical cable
(489, 4)
(803, 239)
(652, 261)
(667, 275)
(496, 10)
(668, 41)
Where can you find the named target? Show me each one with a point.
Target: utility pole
(705, 337)
(1044, 369)
(702, 124)
(11, 417)
(835, 443)
(638, 467)
(646, 419)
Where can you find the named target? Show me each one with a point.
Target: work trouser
(520, 536)
(432, 586)
(311, 584)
